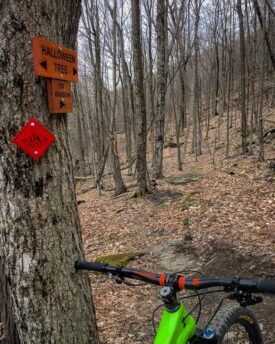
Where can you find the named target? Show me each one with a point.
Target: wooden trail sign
(52, 60)
(59, 96)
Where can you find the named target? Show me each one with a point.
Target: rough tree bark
(44, 299)
(140, 107)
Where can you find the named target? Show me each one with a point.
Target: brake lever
(117, 278)
(245, 298)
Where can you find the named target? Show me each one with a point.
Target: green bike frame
(175, 327)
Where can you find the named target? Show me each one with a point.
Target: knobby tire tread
(235, 314)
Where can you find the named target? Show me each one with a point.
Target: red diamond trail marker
(34, 139)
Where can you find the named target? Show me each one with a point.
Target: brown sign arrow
(52, 60)
(59, 96)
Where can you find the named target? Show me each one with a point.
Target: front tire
(236, 325)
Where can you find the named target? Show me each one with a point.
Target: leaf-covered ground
(225, 220)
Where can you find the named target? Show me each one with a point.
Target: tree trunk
(99, 83)
(230, 86)
(125, 83)
(161, 90)
(151, 101)
(242, 76)
(177, 123)
(261, 104)
(265, 33)
(217, 67)
(126, 99)
(140, 107)
(196, 110)
(87, 14)
(119, 184)
(44, 299)
(127, 125)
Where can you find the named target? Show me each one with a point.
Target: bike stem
(169, 298)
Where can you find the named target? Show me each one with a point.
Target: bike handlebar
(179, 281)
(266, 286)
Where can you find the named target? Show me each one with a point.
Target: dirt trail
(225, 222)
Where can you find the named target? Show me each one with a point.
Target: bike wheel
(236, 325)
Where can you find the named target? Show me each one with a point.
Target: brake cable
(216, 311)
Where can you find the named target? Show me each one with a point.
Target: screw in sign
(34, 139)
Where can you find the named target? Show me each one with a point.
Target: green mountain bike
(231, 324)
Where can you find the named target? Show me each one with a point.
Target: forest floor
(222, 223)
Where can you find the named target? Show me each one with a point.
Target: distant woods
(160, 71)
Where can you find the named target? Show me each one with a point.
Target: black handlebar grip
(266, 286)
(82, 265)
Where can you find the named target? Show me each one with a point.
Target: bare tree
(148, 6)
(196, 108)
(127, 101)
(194, 54)
(119, 184)
(142, 187)
(266, 36)
(242, 78)
(157, 171)
(43, 299)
